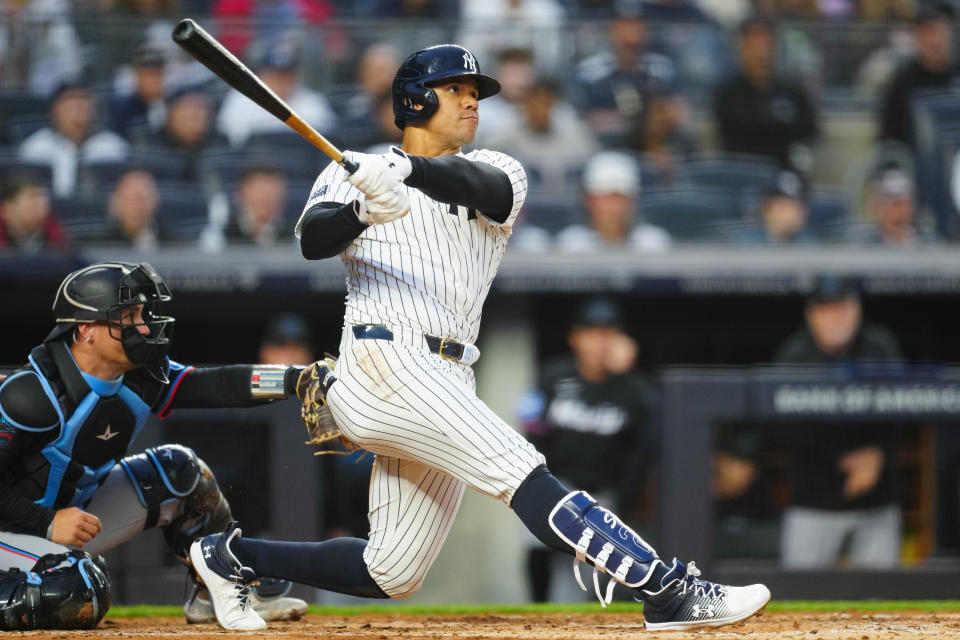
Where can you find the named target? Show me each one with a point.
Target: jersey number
(455, 210)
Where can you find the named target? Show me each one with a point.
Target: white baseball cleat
(272, 608)
(683, 601)
(227, 581)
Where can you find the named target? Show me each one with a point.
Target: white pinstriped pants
(432, 436)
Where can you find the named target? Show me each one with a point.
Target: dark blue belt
(443, 347)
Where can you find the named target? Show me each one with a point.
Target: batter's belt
(446, 348)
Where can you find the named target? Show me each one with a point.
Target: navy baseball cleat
(686, 602)
(228, 582)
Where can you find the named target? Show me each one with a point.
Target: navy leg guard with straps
(597, 534)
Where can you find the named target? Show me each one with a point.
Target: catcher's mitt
(312, 386)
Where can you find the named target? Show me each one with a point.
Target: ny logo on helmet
(469, 62)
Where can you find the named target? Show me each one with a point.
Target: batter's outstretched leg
(674, 597)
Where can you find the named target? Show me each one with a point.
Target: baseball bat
(205, 48)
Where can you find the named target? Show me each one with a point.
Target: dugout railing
(696, 400)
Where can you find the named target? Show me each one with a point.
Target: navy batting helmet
(413, 98)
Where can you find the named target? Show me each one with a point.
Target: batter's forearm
(328, 228)
(456, 180)
(239, 385)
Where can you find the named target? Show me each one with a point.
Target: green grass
(139, 611)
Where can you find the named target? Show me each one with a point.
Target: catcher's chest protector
(98, 421)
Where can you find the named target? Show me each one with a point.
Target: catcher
(68, 489)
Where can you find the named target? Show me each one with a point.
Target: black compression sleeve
(19, 514)
(459, 181)
(328, 228)
(212, 387)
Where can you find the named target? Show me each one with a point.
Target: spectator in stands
(287, 340)
(258, 215)
(612, 87)
(516, 73)
(384, 131)
(661, 134)
(489, 26)
(246, 24)
(842, 475)
(673, 11)
(424, 9)
(549, 138)
(358, 108)
(934, 66)
(143, 108)
(70, 138)
(132, 216)
(590, 414)
(760, 113)
(240, 117)
(26, 223)
(187, 132)
(892, 210)
(611, 186)
(783, 215)
(39, 46)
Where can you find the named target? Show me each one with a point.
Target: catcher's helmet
(414, 100)
(100, 292)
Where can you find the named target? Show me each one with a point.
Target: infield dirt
(848, 625)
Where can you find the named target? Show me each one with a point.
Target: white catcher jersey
(431, 270)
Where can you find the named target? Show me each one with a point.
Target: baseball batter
(68, 489)
(422, 231)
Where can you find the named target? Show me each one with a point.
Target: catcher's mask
(101, 292)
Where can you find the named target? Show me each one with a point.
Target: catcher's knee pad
(61, 591)
(174, 472)
(597, 534)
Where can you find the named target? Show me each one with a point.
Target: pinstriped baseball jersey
(428, 272)
(431, 270)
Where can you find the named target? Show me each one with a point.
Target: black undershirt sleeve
(216, 387)
(456, 180)
(19, 514)
(328, 228)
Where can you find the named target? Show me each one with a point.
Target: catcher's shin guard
(597, 534)
(61, 591)
(175, 471)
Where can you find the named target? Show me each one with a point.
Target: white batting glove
(391, 206)
(399, 162)
(374, 176)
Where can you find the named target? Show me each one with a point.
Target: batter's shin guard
(61, 591)
(598, 536)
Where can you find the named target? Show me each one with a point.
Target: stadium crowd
(642, 124)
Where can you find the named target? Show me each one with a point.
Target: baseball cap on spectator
(598, 312)
(786, 185)
(68, 86)
(148, 56)
(285, 328)
(611, 172)
(892, 182)
(831, 288)
(282, 57)
(930, 11)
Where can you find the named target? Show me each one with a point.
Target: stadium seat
(551, 212)
(183, 209)
(10, 163)
(15, 107)
(731, 172)
(690, 213)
